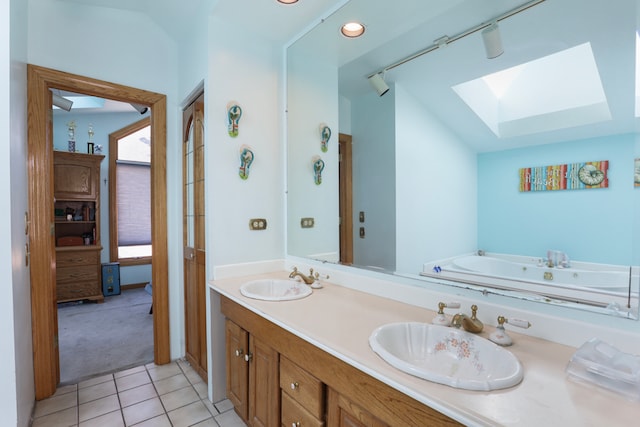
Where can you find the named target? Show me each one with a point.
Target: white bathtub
(599, 284)
(609, 278)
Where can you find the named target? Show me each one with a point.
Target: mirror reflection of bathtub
(614, 287)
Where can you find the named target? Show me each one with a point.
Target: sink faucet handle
(440, 318)
(500, 336)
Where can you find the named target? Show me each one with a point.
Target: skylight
(558, 91)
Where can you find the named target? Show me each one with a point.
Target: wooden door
(346, 202)
(237, 347)
(194, 236)
(44, 322)
(264, 384)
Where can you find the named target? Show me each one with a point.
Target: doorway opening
(42, 241)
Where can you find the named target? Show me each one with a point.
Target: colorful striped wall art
(570, 176)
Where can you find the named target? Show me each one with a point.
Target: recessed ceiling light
(287, 1)
(352, 29)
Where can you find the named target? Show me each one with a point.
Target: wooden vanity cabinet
(334, 393)
(342, 412)
(302, 396)
(252, 377)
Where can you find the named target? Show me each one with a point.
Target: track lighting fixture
(378, 83)
(492, 41)
(140, 108)
(62, 103)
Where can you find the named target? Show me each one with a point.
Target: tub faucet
(306, 279)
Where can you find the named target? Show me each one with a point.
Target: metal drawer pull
(294, 386)
(248, 357)
(296, 424)
(239, 352)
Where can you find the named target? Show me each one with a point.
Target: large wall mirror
(518, 173)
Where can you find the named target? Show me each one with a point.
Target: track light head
(140, 108)
(62, 103)
(378, 83)
(492, 41)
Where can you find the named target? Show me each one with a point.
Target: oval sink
(275, 290)
(447, 356)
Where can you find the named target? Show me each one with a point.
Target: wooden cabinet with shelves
(76, 183)
(252, 377)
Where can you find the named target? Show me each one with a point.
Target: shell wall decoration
(234, 113)
(246, 158)
(325, 135)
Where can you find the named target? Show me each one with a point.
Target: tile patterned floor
(170, 395)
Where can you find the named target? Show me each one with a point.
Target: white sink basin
(275, 290)
(447, 356)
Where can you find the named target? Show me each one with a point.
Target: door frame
(42, 243)
(345, 178)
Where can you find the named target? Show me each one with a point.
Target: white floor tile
(55, 404)
(132, 381)
(230, 419)
(96, 380)
(142, 411)
(224, 405)
(64, 418)
(161, 421)
(131, 398)
(179, 398)
(99, 407)
(112, 419)
(137, 395)
(97, 391)
(189, 415)
(175, 382)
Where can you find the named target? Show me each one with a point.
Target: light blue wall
(103, 125)
(594, 225)
(435, 187)
(374, 192)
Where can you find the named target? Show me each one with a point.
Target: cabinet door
(237, 347)
(341, 412)
(264, 385)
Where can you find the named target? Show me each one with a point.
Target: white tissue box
(601, 364)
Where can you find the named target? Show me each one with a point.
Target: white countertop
(339, 320)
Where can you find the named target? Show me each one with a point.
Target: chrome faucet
(310, 279)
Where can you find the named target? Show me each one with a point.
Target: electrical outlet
(257, 224)
(361, 216)
(307, 222)
(362, 232)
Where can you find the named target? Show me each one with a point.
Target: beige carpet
(96, 339)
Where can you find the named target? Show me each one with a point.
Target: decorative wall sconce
(325, 135)
(234, 112)
(318, 167)
(246, 158)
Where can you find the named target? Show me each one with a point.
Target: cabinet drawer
(303, 387)
(76, 290)
(76, 258)
(293, 414)
(88, 273)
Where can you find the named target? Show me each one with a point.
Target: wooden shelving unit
(77, 226)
